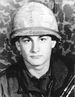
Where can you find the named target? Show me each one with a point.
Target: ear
(53, 43)
(18, 45)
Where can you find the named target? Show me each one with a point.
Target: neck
(39, 70)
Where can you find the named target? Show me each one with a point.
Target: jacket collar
(28, 83)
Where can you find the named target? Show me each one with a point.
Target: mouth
(36, 57)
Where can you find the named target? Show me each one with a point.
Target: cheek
(46, 49)
(48, 52)
(47, 46)
(25, 50)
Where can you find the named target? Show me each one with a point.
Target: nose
(35, 46)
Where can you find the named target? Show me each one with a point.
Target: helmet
(34, 18)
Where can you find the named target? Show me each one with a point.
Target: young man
(35, 33)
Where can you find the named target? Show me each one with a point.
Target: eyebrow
(25, 37)
(52, 37)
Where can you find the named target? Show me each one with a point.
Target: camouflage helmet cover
(34, 19)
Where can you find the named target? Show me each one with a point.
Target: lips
(36, 57)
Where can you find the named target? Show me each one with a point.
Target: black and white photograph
(37, 48)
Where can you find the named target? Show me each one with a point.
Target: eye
(26, 40)
(43, 38)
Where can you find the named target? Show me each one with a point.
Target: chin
(37, 64)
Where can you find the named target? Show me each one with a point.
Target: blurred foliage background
(64, 11)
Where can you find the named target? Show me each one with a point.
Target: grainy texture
(65, 13)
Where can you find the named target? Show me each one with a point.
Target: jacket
(16, 81)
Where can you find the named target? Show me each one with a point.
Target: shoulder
(62, 75)
(8, 81)
(60, 72)
(3, 77)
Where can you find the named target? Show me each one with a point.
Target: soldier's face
(36, 50)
